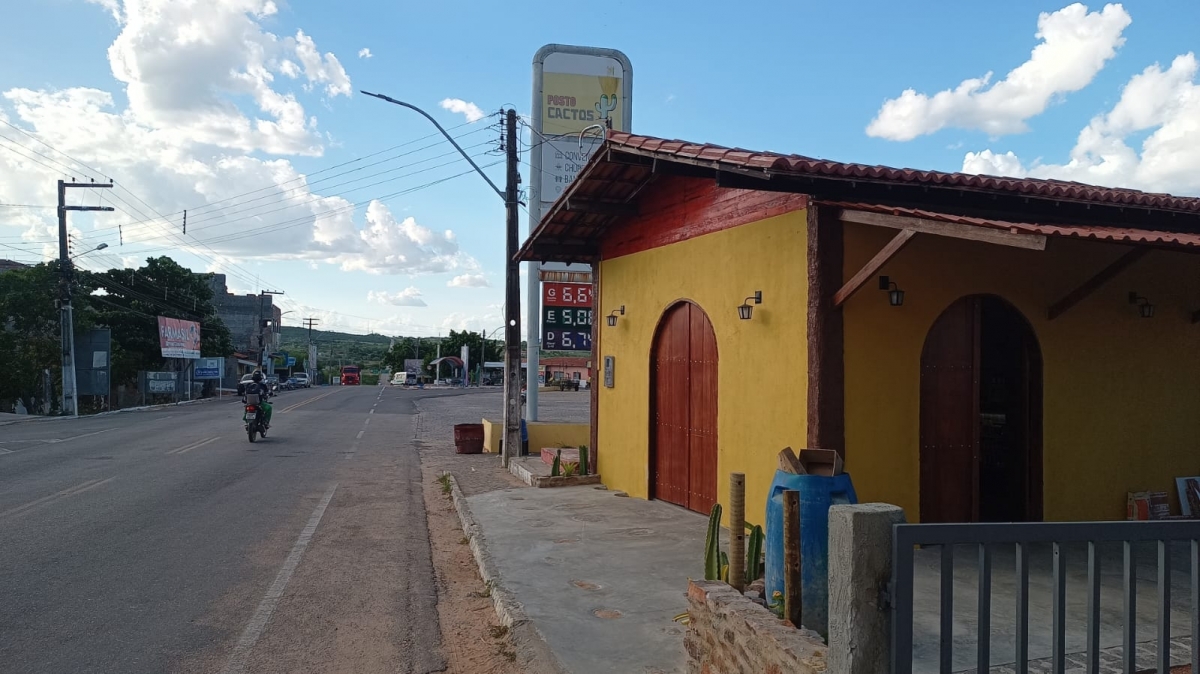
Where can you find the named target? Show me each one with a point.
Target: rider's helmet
(257, 376)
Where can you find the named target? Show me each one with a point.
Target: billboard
(413, 365)
(178, 338)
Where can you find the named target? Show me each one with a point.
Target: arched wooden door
(683, 409)
(981, 415)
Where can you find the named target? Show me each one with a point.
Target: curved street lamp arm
(410, 106)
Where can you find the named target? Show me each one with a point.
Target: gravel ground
(482, 472)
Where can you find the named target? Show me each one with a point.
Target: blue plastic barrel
(817, 493)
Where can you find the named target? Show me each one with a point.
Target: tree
(30, 333)
(128, 301)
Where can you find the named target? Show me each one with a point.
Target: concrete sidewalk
(598, 575)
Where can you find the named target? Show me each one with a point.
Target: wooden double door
(981, 415)
(683, 409)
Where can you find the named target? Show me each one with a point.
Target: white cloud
(409, 297)
(1165, 102)
(183, 142)
(1075, 45)
(184, 64)
(459, 106)
(469, 281)
(364, 53)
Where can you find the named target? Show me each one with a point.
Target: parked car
(301, 379)
(291, 384)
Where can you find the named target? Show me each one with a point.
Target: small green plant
(712, 545)
(724, 567)
(776, 604)
(570, 469)
(464, 541)
(556, 467)
(445, 482)
(754, 547)
(584, 468)
(485, 592)
(498, 631)
(684, 618)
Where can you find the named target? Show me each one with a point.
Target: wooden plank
(597, 374)
(1096, 282)
(601, 207)
(951, 229)
(826, 367)
(792, 587)
(868, 271)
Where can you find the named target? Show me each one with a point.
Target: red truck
(351, 376)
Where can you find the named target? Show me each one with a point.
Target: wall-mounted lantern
(612, 316)
(746, 310)
(1144, 307)
(895, 294)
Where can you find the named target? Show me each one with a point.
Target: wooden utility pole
(792, 574)
(66, 269)
(512, 298)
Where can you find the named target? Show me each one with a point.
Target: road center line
(372, 411)
(70, 491)
(258, 622)
(359, 436)
(195, 445)
(367, 422)
(76, 437)
(305, 402)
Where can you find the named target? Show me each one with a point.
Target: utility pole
(70, 389)
(262, 346)
(312, 353)
(512, 298)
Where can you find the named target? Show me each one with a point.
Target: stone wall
(730, 634)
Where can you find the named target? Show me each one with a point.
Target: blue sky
(800, 77)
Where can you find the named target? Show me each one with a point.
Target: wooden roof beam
(1094, 283)
(600, 207)
(889, 251)
(951, 229)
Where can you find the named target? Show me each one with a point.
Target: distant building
(9, 265)
(244, 316)
(565, 368)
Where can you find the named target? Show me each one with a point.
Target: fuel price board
(567, 316)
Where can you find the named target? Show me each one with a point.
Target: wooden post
(737, 530)
(791, 557)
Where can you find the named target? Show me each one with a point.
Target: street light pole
(512, 289)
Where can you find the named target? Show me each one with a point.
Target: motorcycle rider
(258, 386)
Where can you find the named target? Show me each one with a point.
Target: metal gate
(986, 539)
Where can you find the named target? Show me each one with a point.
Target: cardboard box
(825, 462)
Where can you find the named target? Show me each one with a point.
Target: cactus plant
(556, 467)
(583, 460)
(712, 545)
(754, 553)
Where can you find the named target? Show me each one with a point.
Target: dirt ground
(472, 638)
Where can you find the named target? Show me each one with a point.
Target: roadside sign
(209, 368)
(291, 362)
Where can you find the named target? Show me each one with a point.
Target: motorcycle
(253, 418)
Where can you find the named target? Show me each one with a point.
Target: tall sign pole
(578, 92)
(66, 268)
(512, 299)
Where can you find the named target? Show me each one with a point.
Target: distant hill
(295, 335)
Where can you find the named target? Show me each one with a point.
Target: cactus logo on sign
(572, 103)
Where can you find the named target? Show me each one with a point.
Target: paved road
(163, 541)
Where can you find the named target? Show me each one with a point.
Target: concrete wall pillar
(860, 566)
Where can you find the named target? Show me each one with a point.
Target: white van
(398, 379)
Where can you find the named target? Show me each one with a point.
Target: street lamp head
(102, 246)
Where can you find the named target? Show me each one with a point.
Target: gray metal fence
(988, 538)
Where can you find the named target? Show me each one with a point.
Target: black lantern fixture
(746, 310)
(895, 294)
(1144, 307)
(612, 316)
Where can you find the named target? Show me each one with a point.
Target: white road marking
(359, 436)
(367, 422)
(195, 445)
(258, 622)
(76, 437)
(71, 491)
(372, 411)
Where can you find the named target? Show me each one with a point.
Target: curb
(125, 410)
(532, 650)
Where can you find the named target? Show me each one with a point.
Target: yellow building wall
(762, 363)
(1121, 393)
